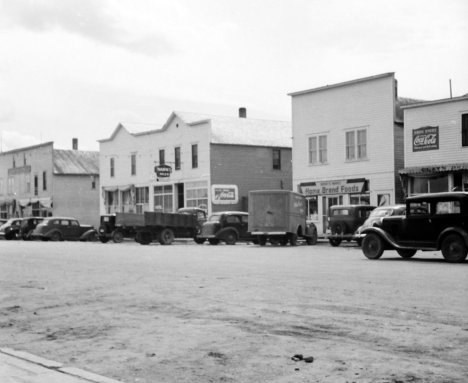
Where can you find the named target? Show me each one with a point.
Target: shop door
(180, 196)
(327, 202)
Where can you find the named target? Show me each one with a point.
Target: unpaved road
(236, 313)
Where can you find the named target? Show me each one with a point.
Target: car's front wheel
(406, 253)
(373, 246)
(313, 239)
(454, 248)
(230, 238)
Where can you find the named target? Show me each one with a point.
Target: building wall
(399, 147)
(368, 104)
(250, 168)
(75, 197)
(447, 116)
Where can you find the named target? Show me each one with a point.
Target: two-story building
(42, 181)
(348, 144)
(436, 146)
(193, 160)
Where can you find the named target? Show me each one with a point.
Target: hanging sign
(426, 138)
(163, 171)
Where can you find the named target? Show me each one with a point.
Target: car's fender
(49, 233)
(87, 234)
(454, 229)
(310, 228)
(220, 234)
(388, 238)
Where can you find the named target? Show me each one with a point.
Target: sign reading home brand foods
(333, 187)
(426, 138)
(224, 194)
(163, 171)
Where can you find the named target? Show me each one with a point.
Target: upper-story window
(93, 182)
(177, 158)
(14, 162)
(162, 159)
(464, 129)
(133, 160)
(276, 159)
(24, 159)
(318, 149)
(356, 145)
(44, 180)
(1, 186)
(112, 170)
(194, 156)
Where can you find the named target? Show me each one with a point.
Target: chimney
(75, 143)
(242, 113)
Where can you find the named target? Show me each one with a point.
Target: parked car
(344, 220)
(227, 226)
(27, 227)
(11, 228)
(108, 230)
(437, 221)
(63, 228)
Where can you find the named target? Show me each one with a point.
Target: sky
(77, 68)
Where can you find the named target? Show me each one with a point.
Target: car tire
(454, 248)
(293, 240)
(213, 241)
(117, 237)
(104, 239)
(335, 242)
(92, 238)
(313, 239)
(166, 237)
(262, 239)
(230, 238)
(373, 246)
(406, 253)
(56, 237)
(338, 228)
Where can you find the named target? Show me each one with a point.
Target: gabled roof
(224, 130)
(76, 162)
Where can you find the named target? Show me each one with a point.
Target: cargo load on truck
(279, 216)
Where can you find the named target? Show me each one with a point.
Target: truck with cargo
(279, 216)
(159, 226)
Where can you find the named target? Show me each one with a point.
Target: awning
(432, 171)
(6, 201)
(116, 188)
(45, 201)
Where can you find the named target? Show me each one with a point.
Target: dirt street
(236, 313)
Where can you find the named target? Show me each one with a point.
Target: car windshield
(381, 212)
(215, 217)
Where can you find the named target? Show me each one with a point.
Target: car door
(74, 229)
(235, 222)
(64, 228)
(418, 228)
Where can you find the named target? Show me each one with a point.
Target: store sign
(163, 171)
(333, 187)
(224, 194)
(426, 138)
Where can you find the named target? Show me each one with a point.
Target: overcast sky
(76, 68)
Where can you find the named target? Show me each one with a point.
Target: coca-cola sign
(426, 138)
(224, 194)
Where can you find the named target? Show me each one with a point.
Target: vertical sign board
(224, 194)
(426, 138)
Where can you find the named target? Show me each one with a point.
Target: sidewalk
(21, 367)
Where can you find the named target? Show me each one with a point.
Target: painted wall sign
(333, 187)
(163, 170)
(426, 138)
(224, 194)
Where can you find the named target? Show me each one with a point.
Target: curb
(56, 366)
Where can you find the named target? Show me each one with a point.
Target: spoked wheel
(166, 237)
(213, 241)
(334, 241)
(454, 248)
(406, 253)
(372, 246)
(312, 240)
(230, 238)
(118, 237)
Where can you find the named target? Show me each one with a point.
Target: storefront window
(437, 185)
(127, 203)
(163, 198)
(142, 199)
(197, 194)
(312, 205)
(359, 199)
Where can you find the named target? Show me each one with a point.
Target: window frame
(321, 154)
(133, 164)
(177, 155)
(112, 167)
(194, 156)
(354, 151)
(162, 157)
(464, 130)
(44, 180)
(276, 161)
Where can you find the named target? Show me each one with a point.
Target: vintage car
(227, 226)
(437, 221)
(63, 228)
(27, 227)
(344, 220)
(11, 228)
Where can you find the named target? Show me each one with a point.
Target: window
(448, 207)
(93, 182)
(163, 198)
(128, 205)
(318, 150)
(276, 159)
(133, 159)
(11, 185)
(3, 212)
(28, 183)
(177, 158)
(197, 194)
(162, 160)
(356, 145)
(232, 219)
(36, 185)
(142, 199)
(464, 129)
(112, 201)
(112, 167)
(14, 162)
(194, 156)
(44, 180)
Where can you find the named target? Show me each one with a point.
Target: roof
(342, 84)
(401, 102)
(28, 148)
(76, 162)
(224, 129)
(427, 103)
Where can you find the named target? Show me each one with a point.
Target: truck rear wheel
(293, 240)
(117, 237)
(166, 237)
(313, 239)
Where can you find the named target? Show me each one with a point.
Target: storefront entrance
(327, 202)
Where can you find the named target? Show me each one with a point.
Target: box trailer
(280, 217)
